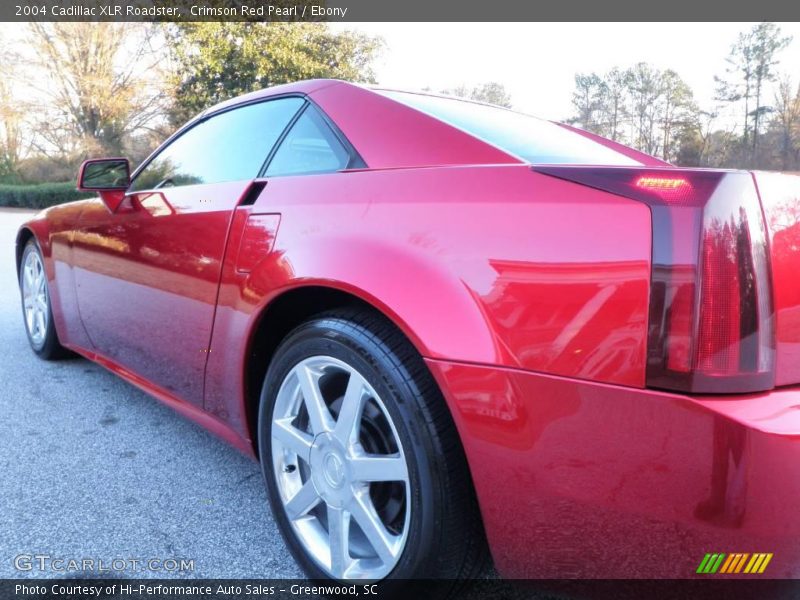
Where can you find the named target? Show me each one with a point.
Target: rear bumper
(579, 479)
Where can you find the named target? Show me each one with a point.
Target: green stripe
(701, 568)
(711, 562)
(718, 563)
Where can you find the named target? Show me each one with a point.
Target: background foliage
(73, 90)
(39, 195)
(655, 111)
(217, 61)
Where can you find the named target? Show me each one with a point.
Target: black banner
(396, 11)
(486, 589)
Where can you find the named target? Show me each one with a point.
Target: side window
(309, 147)
(227, 147)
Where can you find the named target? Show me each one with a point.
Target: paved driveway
(93, 468)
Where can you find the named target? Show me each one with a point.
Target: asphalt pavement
(92, 468)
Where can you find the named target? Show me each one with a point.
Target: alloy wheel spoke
(383, 542)
(339, 535)
(302, 502)
(377, 467)
(292, 438)
(318, 413)
(40, 322)
(28, 277)
(350, 414)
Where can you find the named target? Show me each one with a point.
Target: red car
(439, 323)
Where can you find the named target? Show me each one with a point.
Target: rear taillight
(711, 316)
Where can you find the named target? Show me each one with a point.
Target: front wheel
(36, 309)
(364, 469)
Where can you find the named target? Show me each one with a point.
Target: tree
(702, 144)
(12, 138)
(787, 122)
(601, 103)
(94, 82)
(767, 42)
(751, 63)
(461, 91)
(677, 110)
(646, 90)
(587, 99)
(489, 93)
(653, 108)
(216, 61)
(12, 111)
(492, 93)
(614, 105)
(738, 85)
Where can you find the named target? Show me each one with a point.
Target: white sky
(536, 62)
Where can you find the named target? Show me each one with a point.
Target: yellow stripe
(728, 560)
(757, 566)
(765, 563)
(742, 561)
(753, 562)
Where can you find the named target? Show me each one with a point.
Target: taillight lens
(711, 323)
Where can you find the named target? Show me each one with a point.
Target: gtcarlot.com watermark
(45, 563)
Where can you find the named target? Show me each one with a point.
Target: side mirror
(110, 177)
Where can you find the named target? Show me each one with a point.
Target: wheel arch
(38, 228)
(286, 311)
(24, 234)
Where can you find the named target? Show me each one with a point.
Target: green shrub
(40, 195)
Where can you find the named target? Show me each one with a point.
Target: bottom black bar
(489, 589)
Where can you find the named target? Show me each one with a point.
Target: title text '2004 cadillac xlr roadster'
(445, 327)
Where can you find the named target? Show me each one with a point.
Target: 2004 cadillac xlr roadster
(443, 326)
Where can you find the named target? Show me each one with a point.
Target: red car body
(528, 295)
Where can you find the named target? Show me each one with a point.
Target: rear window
(528, 138)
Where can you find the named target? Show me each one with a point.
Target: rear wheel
(364, 469)
(36, 309)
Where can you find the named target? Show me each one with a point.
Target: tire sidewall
(50, 333)
(333, 337)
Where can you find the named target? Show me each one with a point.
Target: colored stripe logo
(735, 562)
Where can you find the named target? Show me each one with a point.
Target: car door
(147, 275)
(311, 147)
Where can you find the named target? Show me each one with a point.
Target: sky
(536, 62)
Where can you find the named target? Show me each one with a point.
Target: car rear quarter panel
(780, 198)
(489, 265)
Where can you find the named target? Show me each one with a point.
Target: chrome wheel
(340, 469)
(34, 298)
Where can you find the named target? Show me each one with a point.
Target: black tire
(49, 348)
(446, 542)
